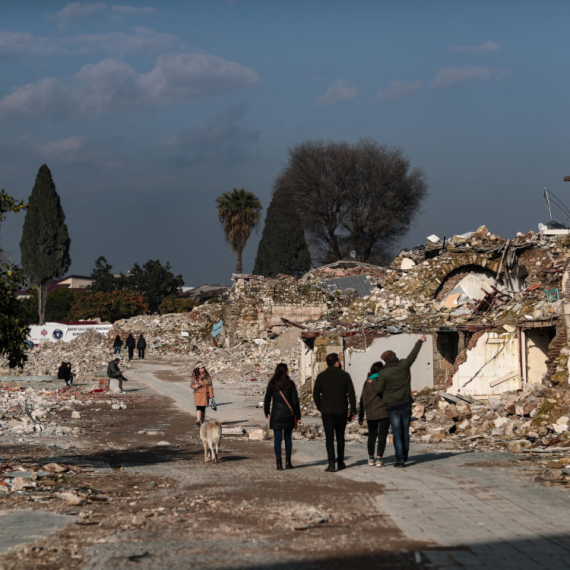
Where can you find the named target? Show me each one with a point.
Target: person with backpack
(374, 408)
(282, 399)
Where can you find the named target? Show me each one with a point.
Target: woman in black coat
(281, 396)
(64, 373)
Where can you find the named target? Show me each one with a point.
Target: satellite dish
(352, 254)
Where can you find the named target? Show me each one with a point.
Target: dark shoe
(331, 467)
(279, 465)
(399, 465)
(341, 465)
(288, 464)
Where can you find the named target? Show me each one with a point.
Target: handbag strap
(287, 402)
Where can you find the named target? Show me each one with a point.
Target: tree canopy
(154, 281)
(358, 197)
(13, 325)
(239, 212)
(45, 239)
(283, 248)
(104, 280)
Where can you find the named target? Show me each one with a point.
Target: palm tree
(239, 212)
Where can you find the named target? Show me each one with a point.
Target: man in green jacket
(332, 392)
(394, 386)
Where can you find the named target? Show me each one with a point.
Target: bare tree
(361, 197)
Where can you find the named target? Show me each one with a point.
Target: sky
(145, 112)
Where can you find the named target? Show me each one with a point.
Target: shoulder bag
(295, 419)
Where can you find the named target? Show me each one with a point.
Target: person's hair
(332, 359)
(196, 373)
(375, 368)
(117, 360)
(118, 337)
(68, 363)
(280, 375)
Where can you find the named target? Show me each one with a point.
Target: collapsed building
(493, 310)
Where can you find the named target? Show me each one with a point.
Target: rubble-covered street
(490, 463)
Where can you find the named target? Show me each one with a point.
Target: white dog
(211, 434)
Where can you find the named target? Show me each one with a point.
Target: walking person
(113, 371)
(141, 346)
(64, 373)
(282, 397)
(203, 390)
(332, 394)
(131, 344)
(394, 386)
(374, 408)
(117, 344)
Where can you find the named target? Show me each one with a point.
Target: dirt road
(147, 499)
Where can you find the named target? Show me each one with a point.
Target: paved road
(474, 514)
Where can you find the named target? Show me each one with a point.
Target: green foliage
(239, 212)
(103, 276)
(282, 248)
(59, 303)
(45, 239)
(175, 304)
(30, 307)
(13, 328)
(107, 306)
(155, 282)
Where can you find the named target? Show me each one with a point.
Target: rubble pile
(31, 414)
(175, 334)
(522, 269)
(88, 353)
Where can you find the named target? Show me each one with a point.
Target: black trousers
(377, 429)
(141, 353)
(334, 425)
(131, 351)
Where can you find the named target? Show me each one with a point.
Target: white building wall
(358, 363)
(492, 366)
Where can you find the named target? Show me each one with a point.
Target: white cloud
(398, 90)
(110, 85)
(142, 41)
(459, 76)
(76, 11)
(486, 47)
(339, 91)
(132, 10)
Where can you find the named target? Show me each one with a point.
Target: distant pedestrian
(203, 389)
(141, 345)
(64, 373)
(118, 344)
(113, 371)
(281, 396)
(131, 344)
(332, 393)
(372, 405)
(394, 386)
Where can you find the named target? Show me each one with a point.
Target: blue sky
(146, 112)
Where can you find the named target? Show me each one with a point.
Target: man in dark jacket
(332, 392)
(394, 386)
(113, 371)
(131, 344)
(141, 345)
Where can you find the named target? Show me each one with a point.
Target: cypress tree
(45, 240)
(283, 248)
